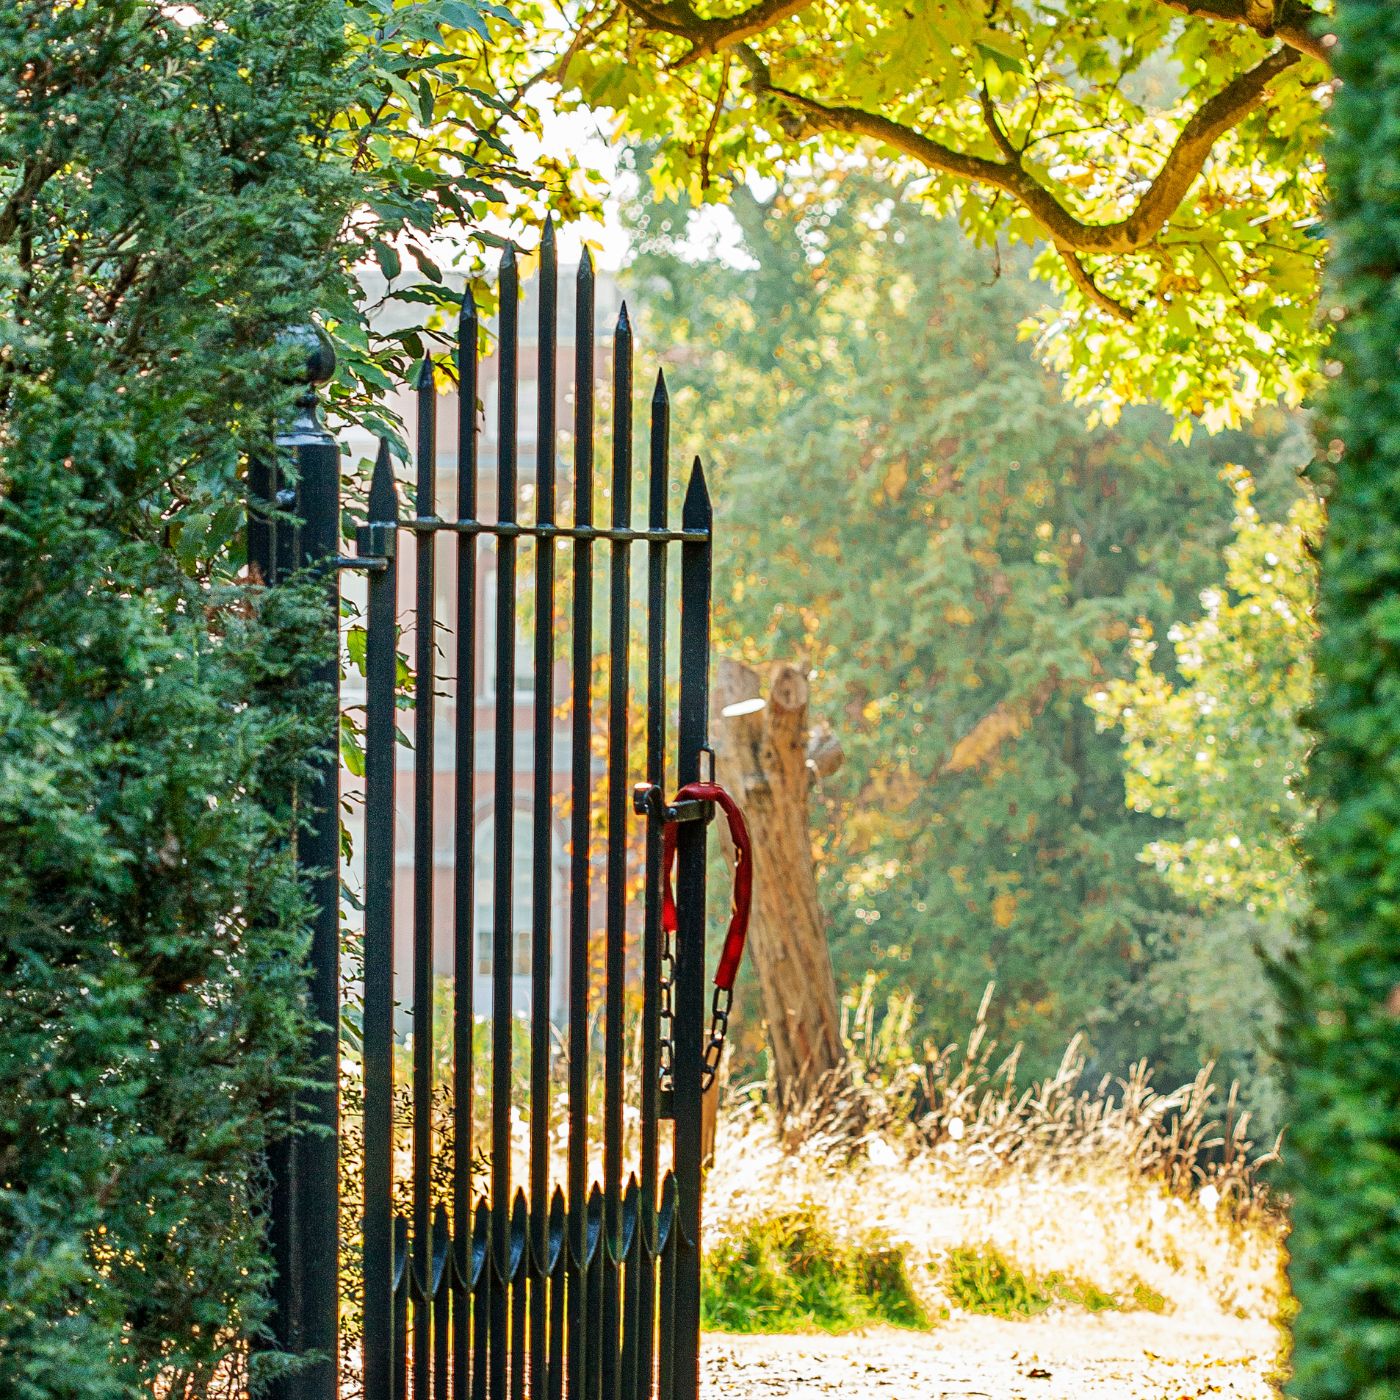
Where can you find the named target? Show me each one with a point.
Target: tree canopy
(1164, 154)
(1212, 731)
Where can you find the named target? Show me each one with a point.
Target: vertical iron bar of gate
(304, 1226)
(620, 575)
(581, 762)
(696, 516)
(503, 939)
(542, 863)
(651, 935)
(379, 539)
(318, 506)
(464, 852)
(421, 1266)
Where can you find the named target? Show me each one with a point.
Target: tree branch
(1187, 158)
(999, 136)
(714, 123)
(1091, 289)
(26, 191)
(1290, 21)
(711, 36)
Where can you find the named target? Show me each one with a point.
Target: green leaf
(388, 258)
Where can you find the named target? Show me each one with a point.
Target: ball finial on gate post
(311, 358)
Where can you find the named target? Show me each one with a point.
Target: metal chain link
(666, 1015)
(720, 1005)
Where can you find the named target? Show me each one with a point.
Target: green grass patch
(980, 1279)
(788, 1271)
(1146, 1298)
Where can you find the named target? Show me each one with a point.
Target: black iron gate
(553, 1248)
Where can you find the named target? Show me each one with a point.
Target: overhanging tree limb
(1210, 183)
(1184, 163)
(1290, 21)
(713, 35)
(1083, 279)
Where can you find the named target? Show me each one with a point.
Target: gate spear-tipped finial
(383, 498)
(696, 513)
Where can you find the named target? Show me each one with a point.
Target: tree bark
(762, 759)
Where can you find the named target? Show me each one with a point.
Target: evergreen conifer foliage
(1342, 1033)
(179, 184)
(161, 218)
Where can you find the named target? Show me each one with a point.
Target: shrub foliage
(178, 184)
(1342, 1032)
(150, 716)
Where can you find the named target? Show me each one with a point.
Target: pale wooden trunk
(762, 759)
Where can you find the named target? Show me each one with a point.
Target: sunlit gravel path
(1125, 1357)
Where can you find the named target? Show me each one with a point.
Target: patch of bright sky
(713, 233)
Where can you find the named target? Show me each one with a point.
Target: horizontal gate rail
(514, 529)
(577, 1273)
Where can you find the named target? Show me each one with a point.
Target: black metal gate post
(378, 541)
(304, 483)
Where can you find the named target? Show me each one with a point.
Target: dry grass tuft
(1107, 1232)
(1009, 1199)
(963, 1098)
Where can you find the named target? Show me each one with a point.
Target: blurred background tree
(914, 512)
(1213, 738)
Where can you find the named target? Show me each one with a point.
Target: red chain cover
(742, 901)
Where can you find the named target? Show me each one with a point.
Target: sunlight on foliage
(796, 1270)
(1166, 157)
(1220, 747)
(1002, 1197)
(913, 512)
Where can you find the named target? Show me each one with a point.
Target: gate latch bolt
(648, 800)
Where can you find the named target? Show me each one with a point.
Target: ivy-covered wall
(1342, 1034)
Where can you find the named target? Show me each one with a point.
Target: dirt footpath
(1111, 1356)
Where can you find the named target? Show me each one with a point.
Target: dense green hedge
(161, 216)
(175, 188)
(1342, 1038)
(178, 184)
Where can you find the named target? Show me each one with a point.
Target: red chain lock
(733, 950)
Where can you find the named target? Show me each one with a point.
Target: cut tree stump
(762, 758)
